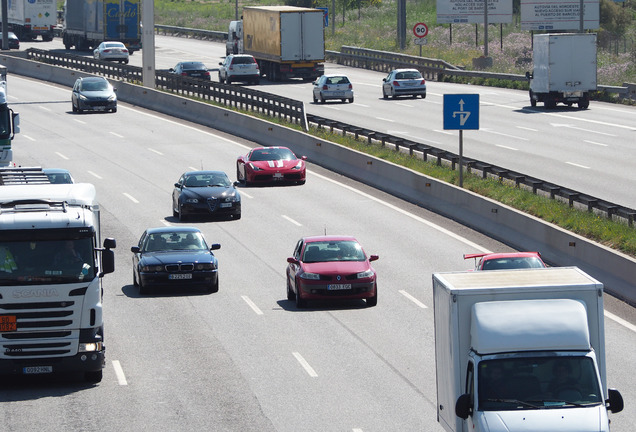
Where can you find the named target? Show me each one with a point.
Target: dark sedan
(205, 193)
(192, 69)
(174, 257)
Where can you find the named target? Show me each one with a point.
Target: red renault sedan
(331, 267)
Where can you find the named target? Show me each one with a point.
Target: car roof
(55, 171)
(335, 75)
(323, 238)
(114, 43)
(270, 147)
(191, 63)
(240, 55)
(92, 79)
(170, 229)
(405, 70)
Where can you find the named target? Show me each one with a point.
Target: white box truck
(564, 69)
(29, 19)
(51, 268)
(521, 350)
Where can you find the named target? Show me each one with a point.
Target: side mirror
(215, 246)
(462, 406)
(108, 261)
(110, 243)
(615, 401)
(528, 75)
(135, 249)
(292, 260)
(374, 257)
(177, 185)
(304, 158)
(383, 79)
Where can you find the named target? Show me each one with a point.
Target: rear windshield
(338, 80)
(194, 66)
(408, 75)
(243, 60)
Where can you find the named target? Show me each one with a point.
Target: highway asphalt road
(245, 359)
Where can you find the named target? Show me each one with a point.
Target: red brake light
(423, 81)
(184, 74)
(106, 50)
(396, 84)
(350, 86)
(325, 87)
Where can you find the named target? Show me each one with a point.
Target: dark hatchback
(174, 257)
(94, 94)
(203, 193)
(191, 69)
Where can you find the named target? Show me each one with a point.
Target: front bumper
(319, 290)
(96, 105)
(276, 177)
(200, 279)
(212, 207)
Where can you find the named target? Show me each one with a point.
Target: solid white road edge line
(620, 321)
(291, 220)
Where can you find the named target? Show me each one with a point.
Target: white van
(234, 43)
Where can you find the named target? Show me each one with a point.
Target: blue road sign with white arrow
(461, 111)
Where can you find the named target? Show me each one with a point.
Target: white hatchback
(239, 67)
(333, 87)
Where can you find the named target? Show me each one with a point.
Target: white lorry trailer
(51, 265)
(29, 19)
(286, 41)
(521, 351)
(564, 69)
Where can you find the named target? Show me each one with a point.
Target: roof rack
(23, 175)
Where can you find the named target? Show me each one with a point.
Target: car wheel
(182, 216)
(74, 108)
(301, 303)
(114, 110)
(143, 290)
(343, 100)
(125, 61)
(373, 301)
(93, 376)
(229, 80)
(315, 99)
(384, 95)
(237, 216)
(221, 79)
(322, 99)
(135, 283)
(291, 296)
(423, 96)
(351, 99)
(215, 286)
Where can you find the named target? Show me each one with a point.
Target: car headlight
(151, 268)
(364, 274)
(310, 276)
(205, 266)
(298, 166)
(91, 347)
(232, 198)
(255, 168)
(112, 98)
(191, 200)
(82, 97)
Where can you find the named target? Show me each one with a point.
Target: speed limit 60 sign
(420, 30)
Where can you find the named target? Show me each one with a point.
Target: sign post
(420, 30)
(461, 111)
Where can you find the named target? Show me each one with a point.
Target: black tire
(301, 303)
(135, 283)
(143, 290)
(423, 96)
(214, 288)
(182, 216)
(237, 216)
(373, 301)
(114, 110)
(315, 99)
(291, 296)
(93, 377)
(384, 95)
(351, 99)
(74, 108)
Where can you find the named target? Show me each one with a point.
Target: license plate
(278, 176)
(338, 93)
(334, 287)
(37, 370)
(225, 205)
(180, 276)
(8, 323)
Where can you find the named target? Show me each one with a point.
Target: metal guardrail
(573, 197)
(233, 96)
(276, 106)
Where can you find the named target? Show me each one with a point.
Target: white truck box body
(39, 14)
(454, 295)
(564, 62)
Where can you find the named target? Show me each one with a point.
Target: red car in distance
(331, 267)
(269, 165)
(506, 261)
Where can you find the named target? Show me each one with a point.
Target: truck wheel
(93, 376)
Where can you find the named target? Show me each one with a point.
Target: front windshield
(31, 262)
(174, 240)
(323, 251)
(100, 85)
(207, 179)
(272, 154)
(537, 382)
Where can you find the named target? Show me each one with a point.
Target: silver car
(333, 87)
(114, 51)
(239, 67)
(404, 82)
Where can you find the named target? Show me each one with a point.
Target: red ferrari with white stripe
(270, 164)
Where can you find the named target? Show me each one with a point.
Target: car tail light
(423, 82)
(124, 50)
(350, 86)
(106, 50)
(207, 74)
(396, 84)
(184, 74)
(325, 87)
